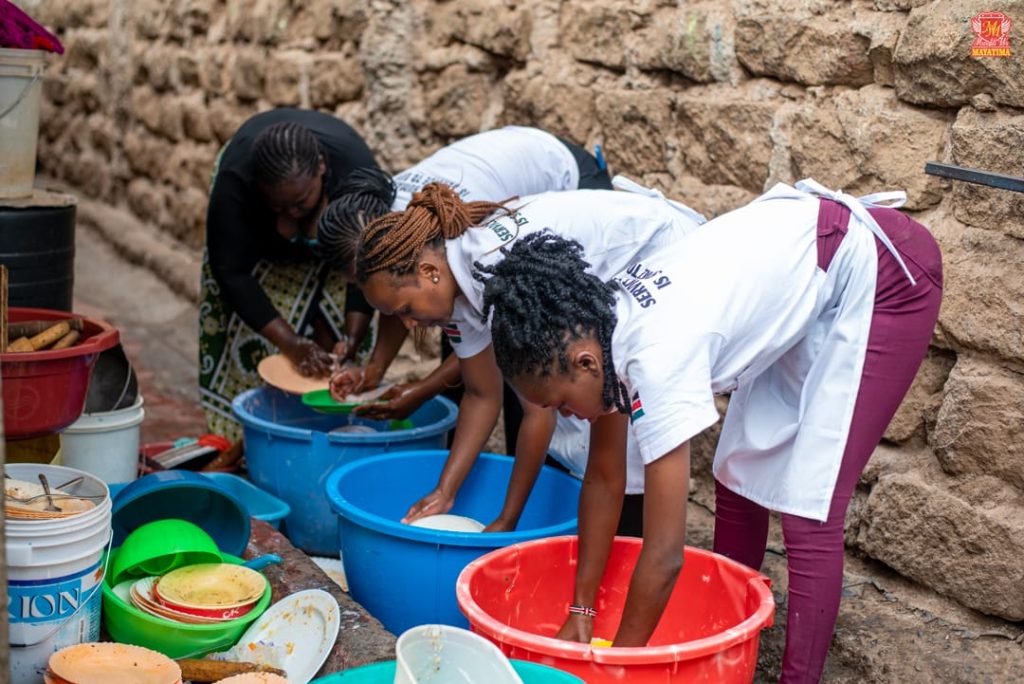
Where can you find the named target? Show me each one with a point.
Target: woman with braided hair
(417, 265)
(263, 286)
(812, 308)
(494, 165)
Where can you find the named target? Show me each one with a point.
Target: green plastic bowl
(158, 547)
(384, 673)
(129, 625)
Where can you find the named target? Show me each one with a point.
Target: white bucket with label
(105, 444)
(20, 88)
(54, 572)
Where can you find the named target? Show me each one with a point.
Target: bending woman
(417, 265)
(263, 288)
(495, 165)
(813, 309)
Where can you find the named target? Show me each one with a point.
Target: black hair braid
(368, 194)
(540, 298)
(282, 151)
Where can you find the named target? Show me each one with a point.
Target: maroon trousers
(901, 328)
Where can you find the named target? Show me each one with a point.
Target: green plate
(320, 400)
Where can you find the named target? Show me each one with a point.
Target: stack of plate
(202, 594)
(109, 663)
(18, 491)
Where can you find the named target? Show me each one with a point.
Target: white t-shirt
(615, 229)
(570, 446)
(494, 166)
(700, 317)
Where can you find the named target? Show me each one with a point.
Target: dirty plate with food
(209, 586)
(323, 402)
(278, 371)
(296, 635)
(109, 663)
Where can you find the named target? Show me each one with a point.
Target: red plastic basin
(518, 597)
(44, 391)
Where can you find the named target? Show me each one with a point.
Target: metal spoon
(50, 508)
(61, 497)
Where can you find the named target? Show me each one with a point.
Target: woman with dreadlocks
(264, 287)
(812, 307)
(417, 265)
(494, 165)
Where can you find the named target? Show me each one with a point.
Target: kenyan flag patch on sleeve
(636, 410)
(452, 331)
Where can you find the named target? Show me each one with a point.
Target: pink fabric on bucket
(20, 31)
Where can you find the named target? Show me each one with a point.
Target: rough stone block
(695, 39)
(635, 124)
(456, 103)
(171, 118)
(494, 26)
(933, 59)
(922, 402)
(196, 118)
(861, 141)
(979, 430)
(566, 109)
(724, 133)
(247, 73)
(218, 71)
(809, 42)
(964, 539)
(225, 118)
(189, 166)
(287, 78)
(258, 21)
(157, 66)
(145, 107)
(334, 78)
(146, 154)
(981, 304)
(883, 30)
(146, 200)
(187, 211)
(84, 48)
(596, 32)
(188, 68)
(992, 140)
(898, 5)
(87, 92)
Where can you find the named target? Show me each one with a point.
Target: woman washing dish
(812, 308)
(417, 265)
(264, 288)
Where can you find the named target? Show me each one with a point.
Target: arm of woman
(401, 401)
(391, 333)
(604, 486)
(478, 413)
(534, 436)
(666, 483)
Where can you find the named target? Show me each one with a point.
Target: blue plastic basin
(260, 504)
(405, 576)
(289, 453)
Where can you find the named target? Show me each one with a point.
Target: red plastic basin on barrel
(44, 391)
(518, 597)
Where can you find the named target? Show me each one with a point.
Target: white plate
(449, 523)
(296, 634)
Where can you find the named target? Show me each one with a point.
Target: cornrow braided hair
(369, 194)
(282, 151)
(540, 299)
(395, 241)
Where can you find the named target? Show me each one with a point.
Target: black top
(241, 228)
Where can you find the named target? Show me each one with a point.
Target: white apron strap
(858, 206)
(627, 185)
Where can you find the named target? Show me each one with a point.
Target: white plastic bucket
(20, 88)
(440, 654)
(105, 444)
(54, 572)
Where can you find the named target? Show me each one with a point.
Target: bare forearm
(391, 333)
(599, 511)
(447, 374)
(280, 334)
(531, 448)
(356, 325)
(478, 415)
(654, 577)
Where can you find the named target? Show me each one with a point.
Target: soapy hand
(577, 628)
(353, 380)
(434, 503)
(309, 359)
(343, 349)
(399, 402)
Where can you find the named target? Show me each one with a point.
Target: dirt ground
(889, 630)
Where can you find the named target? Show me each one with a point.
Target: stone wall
(712, 101)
